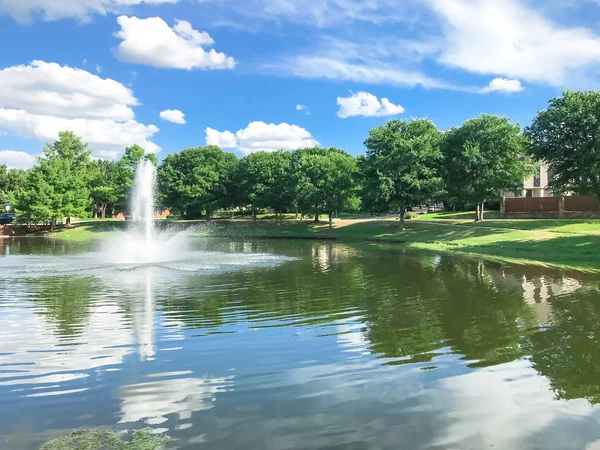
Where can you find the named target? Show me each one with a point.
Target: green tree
(326, 180)
(105, 186)
(10, 181)
(484, 157)
(400, 168)
(264, 180)
(196, 179)
(58, 186)
(567, 137)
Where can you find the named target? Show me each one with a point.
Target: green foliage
(196, 179)
(567, 137)
(58, 186)
(483, 157)
(325, 179)
(10, 181)
(400, 168)
(104, 440)
(264, 180)
(106, 185)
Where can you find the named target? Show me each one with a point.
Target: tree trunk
(232, 213)
(316, 217)
(330, 220)
(103, 211)
(68, 223)
(296, 218)
(481, 211)
(113, 211)
(402, 215)
(95, 213)
(254, 215)
(477, 212)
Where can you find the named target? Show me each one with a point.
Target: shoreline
(568, 244)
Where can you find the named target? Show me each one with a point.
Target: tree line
(406, 163)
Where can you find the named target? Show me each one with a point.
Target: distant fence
(575, 203)
(536, 204)
(582, 203)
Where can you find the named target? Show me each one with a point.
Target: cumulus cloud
(303, 108)
(153, 43)
(366, 105)
(261, 136)
(16, 160)
(40, 99)
(26, 10)
(225, 139)
(173, 115)
(503, 85)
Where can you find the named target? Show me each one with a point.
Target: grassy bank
(571, 244)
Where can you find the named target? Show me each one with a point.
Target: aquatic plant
(105, 440)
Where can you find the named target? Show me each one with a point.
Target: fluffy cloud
(225, 139)
(303, 108)
(18, 160)
(173, 115)
(152, 42)
(259, 136)
(503, 85)
(41, 99)
(25, 10)
(511, 39)
(366, 105)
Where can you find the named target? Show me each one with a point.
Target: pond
(298, 345)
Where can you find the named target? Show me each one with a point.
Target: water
(297, 345)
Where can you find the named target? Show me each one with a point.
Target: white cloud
(366, 105)
(225, 139)
(98, 69)
(173, 115)
(26, 10)
(17, 160)
(41, 99)
(503, 85)
(259, 136)
(303, 108)
(152, 42)
(511, 39)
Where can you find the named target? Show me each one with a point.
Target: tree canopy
(195, 179)
(484, 157)
(58, 186)
(326, 180)
(567, 137)
(400, 168)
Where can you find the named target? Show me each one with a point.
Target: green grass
(561, 243)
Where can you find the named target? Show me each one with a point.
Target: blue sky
(236, 71)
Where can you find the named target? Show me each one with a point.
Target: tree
(484, 157)
(567, 137)
(58, 186)
(10, 181)
(264, 180)
(400, 168)
(326, 180)
(105, 186)
(196, 179)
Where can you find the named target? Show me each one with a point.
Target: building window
(529, 193)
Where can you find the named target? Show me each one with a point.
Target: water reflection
(348, 345)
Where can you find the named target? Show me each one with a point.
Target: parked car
(7, 218)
